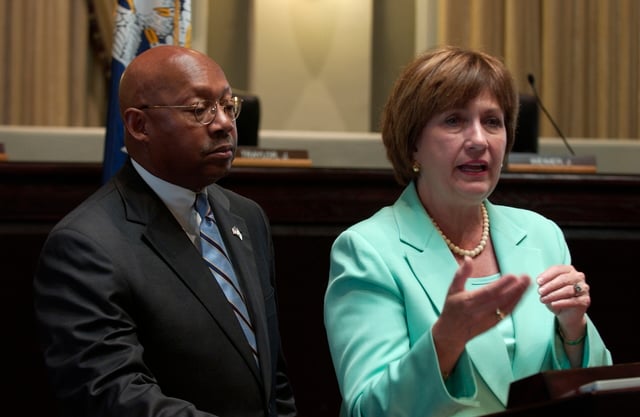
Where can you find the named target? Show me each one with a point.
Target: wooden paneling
(600, 215)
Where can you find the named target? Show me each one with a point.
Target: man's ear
(135, 122)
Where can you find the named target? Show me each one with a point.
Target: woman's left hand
(566, 293)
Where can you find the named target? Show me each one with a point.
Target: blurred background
(328, 65)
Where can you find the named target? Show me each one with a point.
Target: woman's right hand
(467, 314)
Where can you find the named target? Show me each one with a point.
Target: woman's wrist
(571, 342)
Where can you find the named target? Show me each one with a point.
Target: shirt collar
(179, 200)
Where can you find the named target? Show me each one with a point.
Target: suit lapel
(166, 237)
(182, 256)
(237, 239)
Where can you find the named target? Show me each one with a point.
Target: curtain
(583, 54)
(50, 75)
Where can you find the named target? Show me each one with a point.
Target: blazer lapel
(434, 267)
(493, 364)
(427, 254)
(530, 317)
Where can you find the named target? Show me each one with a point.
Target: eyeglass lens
(205, 111)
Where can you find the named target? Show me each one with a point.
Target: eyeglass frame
(212, 110)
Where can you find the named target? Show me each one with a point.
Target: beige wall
(331, 70)
(311, 63)
(227, 30)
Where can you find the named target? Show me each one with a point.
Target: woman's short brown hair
(439, 80)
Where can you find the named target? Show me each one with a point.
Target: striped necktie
(215, 255)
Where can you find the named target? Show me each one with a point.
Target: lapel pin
(236, 232)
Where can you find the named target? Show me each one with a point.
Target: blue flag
(139, 25)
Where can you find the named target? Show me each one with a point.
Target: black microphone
(535, 93)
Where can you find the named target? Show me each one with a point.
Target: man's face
(180, 149)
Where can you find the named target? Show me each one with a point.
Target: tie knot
(202, 205)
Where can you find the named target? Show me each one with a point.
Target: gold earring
(416, 167)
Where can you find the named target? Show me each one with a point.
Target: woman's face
(460, 152)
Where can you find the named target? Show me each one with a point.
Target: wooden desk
(556, 393)
(308, 207)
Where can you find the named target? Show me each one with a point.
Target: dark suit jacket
(132, 322)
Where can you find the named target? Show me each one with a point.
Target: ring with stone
(577, 289)
(500, 314)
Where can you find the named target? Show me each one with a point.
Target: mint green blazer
(389, 277)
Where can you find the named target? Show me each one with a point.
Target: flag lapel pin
(236, 232)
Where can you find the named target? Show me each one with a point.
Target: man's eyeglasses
(205, 110)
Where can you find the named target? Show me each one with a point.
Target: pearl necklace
(483, 240)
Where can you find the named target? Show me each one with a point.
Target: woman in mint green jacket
(437, 303)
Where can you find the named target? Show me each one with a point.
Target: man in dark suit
(132, 321)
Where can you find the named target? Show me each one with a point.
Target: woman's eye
(494, 122)
(452, 121)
